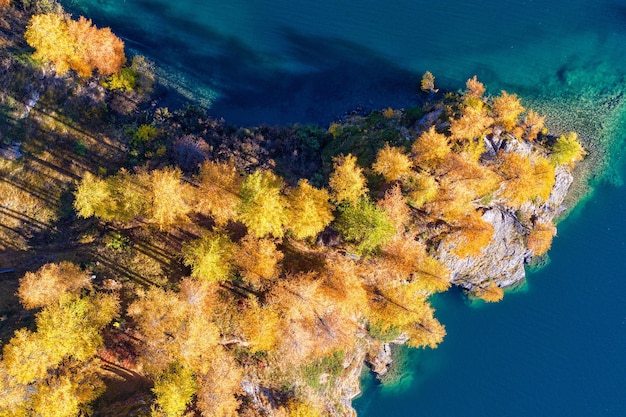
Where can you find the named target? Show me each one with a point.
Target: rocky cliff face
(503, 260)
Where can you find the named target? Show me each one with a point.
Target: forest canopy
(218, 271)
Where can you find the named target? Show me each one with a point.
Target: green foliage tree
(567, 150)
(365, 224)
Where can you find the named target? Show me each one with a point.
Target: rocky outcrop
(503, 260)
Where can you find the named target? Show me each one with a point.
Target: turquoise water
(558, 348)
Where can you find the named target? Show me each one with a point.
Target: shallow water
(557, 348)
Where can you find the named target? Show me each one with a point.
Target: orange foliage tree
(217, 194)
(392, 163)
(75, 44)
(430, 149)
(506, 109)
(540, 237)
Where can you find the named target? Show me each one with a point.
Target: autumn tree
(396, 206)
(490, 294)
(50, 283)
(430, 149)
(471, 126)
(421, 188)
(174, 390)
(405, 259)
(403, 308)
(53, 371)
(119, 197)
(525, 178)
(427, 83)
(168, 197)
(218, 191)
(471, 235)
(366, 225)
(392, 163)
(67, 329)
(567, 150)
(218, 385)
(506, 110)
(210, 257)
(475, 89)
(310, 210)
(347, 182)
(540, 237)
(74, 44)
(260, 325)
(176, 327)
(263, 209)
(160, 196)
(533, 125)
(258, 260)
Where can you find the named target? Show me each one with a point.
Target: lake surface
(558, 348)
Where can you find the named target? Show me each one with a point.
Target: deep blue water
(559, 347)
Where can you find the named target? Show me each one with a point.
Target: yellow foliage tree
(430, 149)
(397, 208)
(472, 124)
(403, 308)
(421, 188)
(77, 45)
(260, 325)
(258, 260)
(176, 328)
(310, 210)
(472, 235)
(567, 150)
(298, 408)
(50, 283)
(263, 209)
(210, 257)
(347, 182)
(120, 197)
(174, 390)
(506, 109)
(219, 386)
(525, 178)
(68, 392)
(218, 191)
(428, 83)
(67, 329)
(392, 163)
(168, 197)
(92, 197)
